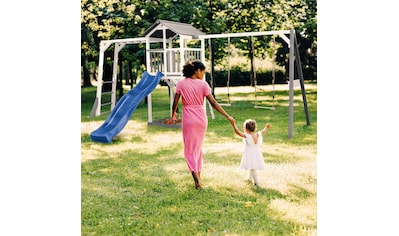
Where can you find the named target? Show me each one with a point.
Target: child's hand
(267, 126)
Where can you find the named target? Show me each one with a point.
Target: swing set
(256, 81)
(229, 52)
(163, 56)
(294, 62)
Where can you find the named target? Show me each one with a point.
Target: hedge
(242, 78)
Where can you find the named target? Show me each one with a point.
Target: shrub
(242, 78)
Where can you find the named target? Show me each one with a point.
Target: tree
(301, 16)
(110, 19)
(106, 19)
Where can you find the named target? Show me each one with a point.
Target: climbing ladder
(108, 98)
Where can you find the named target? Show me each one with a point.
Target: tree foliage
(111, 19)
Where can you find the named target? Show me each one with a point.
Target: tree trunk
(86, 74)
(212, 71)
(210, 18)
(132, 75)
(119, 82)
(86, 77)
(107, 77)
(127, 72)
(252, 55)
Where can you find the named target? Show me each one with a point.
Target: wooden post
(118, 48)
(148, 62)
(291, 86)
(301, 79)
(104, 45)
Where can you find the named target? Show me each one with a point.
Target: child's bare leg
(255, 177)
(249, 176)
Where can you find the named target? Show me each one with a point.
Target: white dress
(252, 157)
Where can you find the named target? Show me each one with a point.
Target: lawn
(140, 184)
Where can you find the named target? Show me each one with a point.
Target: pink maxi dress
(194, 119)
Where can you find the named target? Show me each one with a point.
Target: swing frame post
(229, 70)
(302, 81)
(291, 87)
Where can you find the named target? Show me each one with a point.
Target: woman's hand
(231, 119)
(172, 120)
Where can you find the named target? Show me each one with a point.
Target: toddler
(252, 158)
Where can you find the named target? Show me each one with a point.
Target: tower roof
(172, 29)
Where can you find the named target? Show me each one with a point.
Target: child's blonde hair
(250, 125)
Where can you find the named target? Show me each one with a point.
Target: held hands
(232, 120)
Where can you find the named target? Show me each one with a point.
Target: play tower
(168, 46)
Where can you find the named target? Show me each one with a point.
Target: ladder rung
(107, 82)
(105, 104)
(105, 93)
(105, 112)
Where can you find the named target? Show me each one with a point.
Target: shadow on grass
(130, 192)
(134, 194)
(278, 159)
(269, 193)
(299, 194)
(85, 138)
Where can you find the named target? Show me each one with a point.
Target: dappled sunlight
(221, 177)
(91, 153)
(300, 212)
(213, 175)
(142, 175)
(300, 174)
(300, 171)
(179, 174)
(298, 152)
(98, 189)
(226, 149)
(177, 155)
(133, 140)
(299, 161)
(273, 178)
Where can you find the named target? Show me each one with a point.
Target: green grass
(140, 184)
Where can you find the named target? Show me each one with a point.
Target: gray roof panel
(173, 28)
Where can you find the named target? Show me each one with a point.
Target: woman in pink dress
(193, 89)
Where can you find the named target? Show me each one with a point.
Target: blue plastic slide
(124, 108)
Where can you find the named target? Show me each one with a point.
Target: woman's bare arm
(175, 105)
(219, 108)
